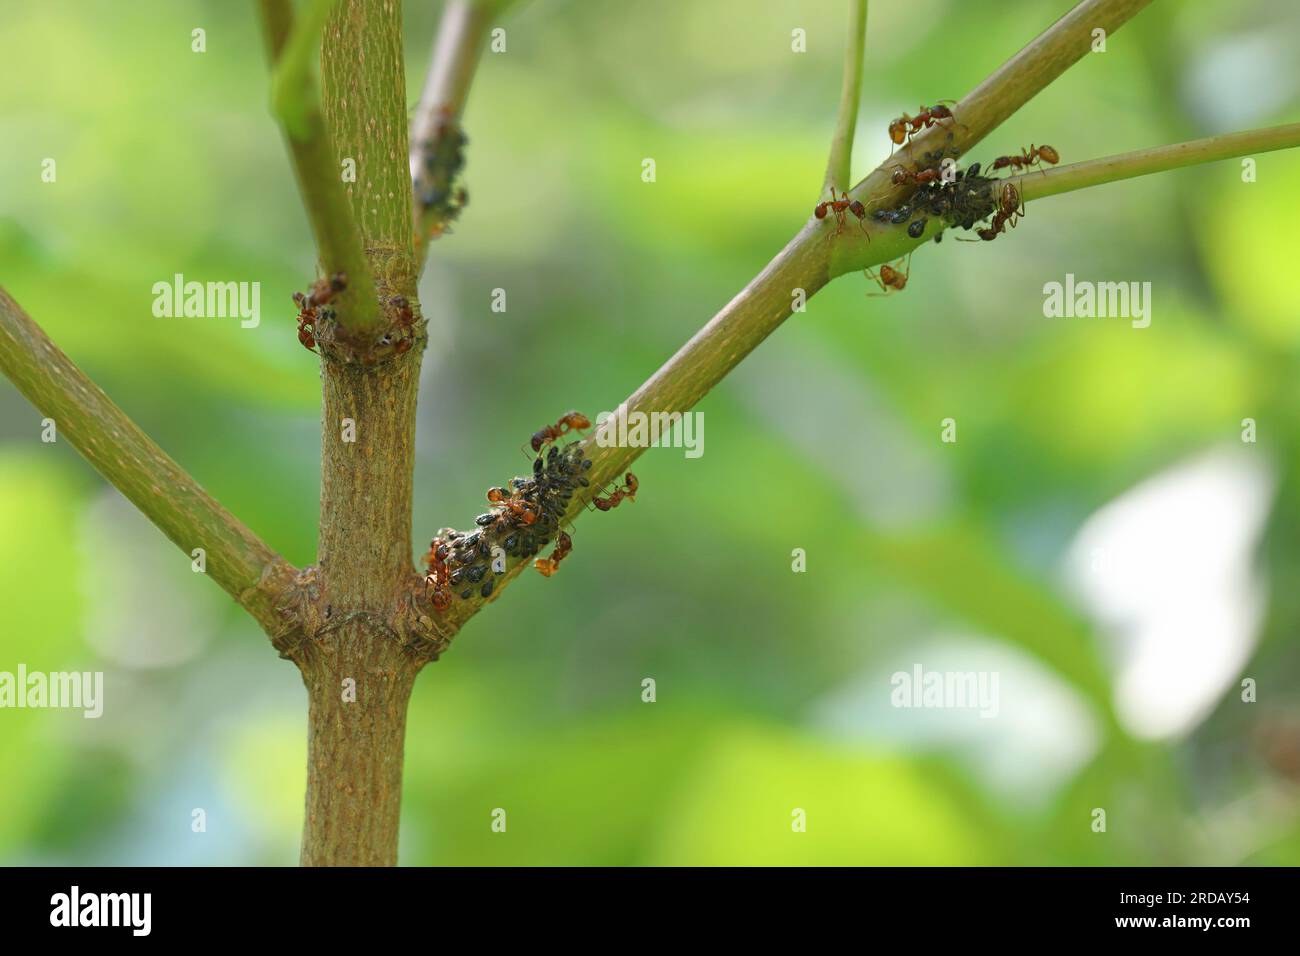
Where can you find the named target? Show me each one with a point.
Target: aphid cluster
(436, 185)
(312, 307)
(963, 199)
(525, 517)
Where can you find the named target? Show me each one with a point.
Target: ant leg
(908, 272)
(875, 278)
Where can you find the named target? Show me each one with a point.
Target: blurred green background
(1099, 536)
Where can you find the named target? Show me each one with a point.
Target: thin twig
(457, 48)
(1157, 159)
(295, 100)
(838, 166)
(235, 557)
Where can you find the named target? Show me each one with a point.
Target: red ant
(839, 207)
(511, 507)
(548, 566)
(905, 127)
(918, 178)
(1028, 157)
(1010, 207)
(439, 576)
(306, 323)
(890, 278)
(570, 421)
(322, 293)
(405, 320)
(627, 490)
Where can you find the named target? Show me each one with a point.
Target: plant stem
(1039, 184)
(976, 115)
(457, 48)
(236, 559)
(838, 166)
(296, 102)
(821, 251)
(364, 90)
(1156, 159)
(367, 461)
(355, 749)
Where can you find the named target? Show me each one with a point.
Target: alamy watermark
(946, 690)
(70, 690)
(1098, 300)
(75, 908)
(623, 429)
(208, 300)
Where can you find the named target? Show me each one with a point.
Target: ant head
(858, 209)
(820, 211)
(898, 131)
(1048, 154)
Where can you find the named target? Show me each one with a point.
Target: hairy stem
(236, 559)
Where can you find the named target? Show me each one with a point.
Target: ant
(1010, 207)
(569, 421)
(918, 178)
(890, 278)
(405, 319)
(1028, 157)
(322, 293)
(839, 207)
(438, 576)
(905, 127)
(627, 490)
(511, 506)
(306, 323)
(548, 566)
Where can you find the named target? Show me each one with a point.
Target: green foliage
(827, 439)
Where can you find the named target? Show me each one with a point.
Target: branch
(363, 83)
(838, 167)
(237, 559)
(295, 101)
(1157, 159)
(976, 115)
(818, 253)
(457, 47)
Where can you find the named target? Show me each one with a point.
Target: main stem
(357, 675)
